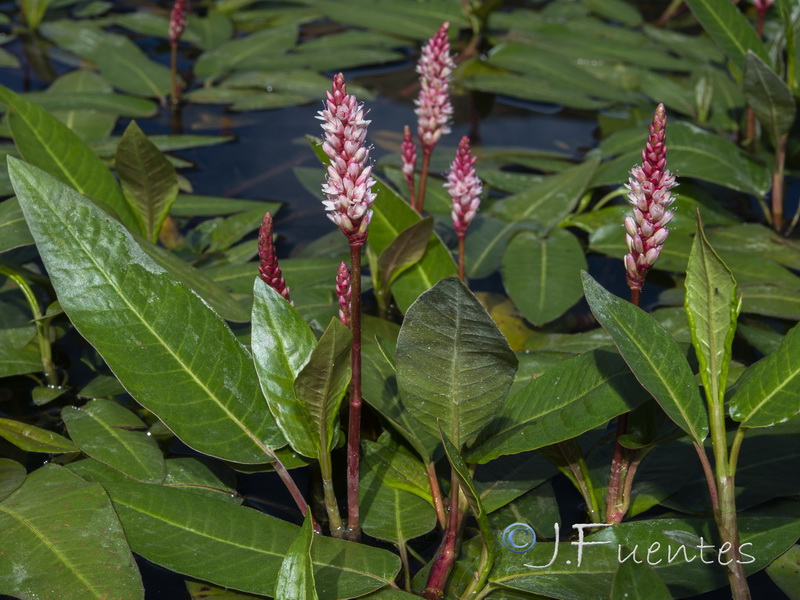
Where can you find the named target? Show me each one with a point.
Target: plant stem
(735, 448)
(709, 473)
(354, 425)
(404, 561)
(619, 471)
(290, 484)
(175, 88)
(777, 183)
(726, 515)
(42, 327)
(461, 257)
(619, 192)
(446, 556)
(331, 505)
(423, 178)
(436, 493)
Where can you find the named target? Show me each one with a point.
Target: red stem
(175, 86)
(354, 425)
(777, 183)
(423, 178)
(461, 257)
(446, 557)
(288, 481)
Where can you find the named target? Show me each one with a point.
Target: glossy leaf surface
(61, 533)
(115, 436)
(34, 439)
(153, 332)
(296, 577)
(729, 28)
(238, 547)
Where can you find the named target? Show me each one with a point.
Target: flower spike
(177, 20)
(434, 110)
(649, 194)
(465, 188)
(343, 292)
(348, 183)
(409, 151)
(268, 268)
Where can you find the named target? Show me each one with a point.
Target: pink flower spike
(409, 150)
(649, 194)
(268, 268)
(348, 184)
(465, 188)
(343, 292)
(762, 6)
(434, 110)
(177, 20)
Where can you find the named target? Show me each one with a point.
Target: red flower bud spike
(465, 189)
(268, 268)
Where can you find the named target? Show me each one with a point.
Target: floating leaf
(160, 327)
(230, 54)
(653, 356)
(34, 439)
(115, 436)
(453, 364)
(541, 274)
(187, 533)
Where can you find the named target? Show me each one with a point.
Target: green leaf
(296, 577)
(729, 28)
(33, 11)
(18, 361)
(220, 234)
(453, 364)
(161, 341)
(388, 512)
(188, 205)
(785, 572)
(405, 250)
(210, 31)
(282, 344)
(712, 307)
(229, 55)
(129, 69)
(48, 524)
(769, 391)
(48, 144)
(14, 231)
(238, 547)
(87, 124)
(12, 474)
(769, 97)
(505, 480)
(634, 581)
(568, 399)
(115, 436)
(540, 275)
(34, 439)
(148, 179)
(107, 102)
(397, 467)
(653, 356)
(322, 382)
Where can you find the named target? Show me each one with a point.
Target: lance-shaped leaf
(770, 98)
(711, 306)
(785, 572)
(61, 533)
(173, 354)
(149, 181)
(769, 391)
(47, 143)
(453, 364)
(728, 27)
(397, 466)
(462, 473)
(238, 547)
(12, 475)
(568, 399)
(34, 439)
(282, 344)
(321, 384)
(296, 577)
(115, 436)
(653, 356)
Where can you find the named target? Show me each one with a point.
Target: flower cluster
(268, 268)
(434, 110)
(343, 293)
(465, 188)
(409, 151)
(177, 20)
(649, 195)
(348, 184)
